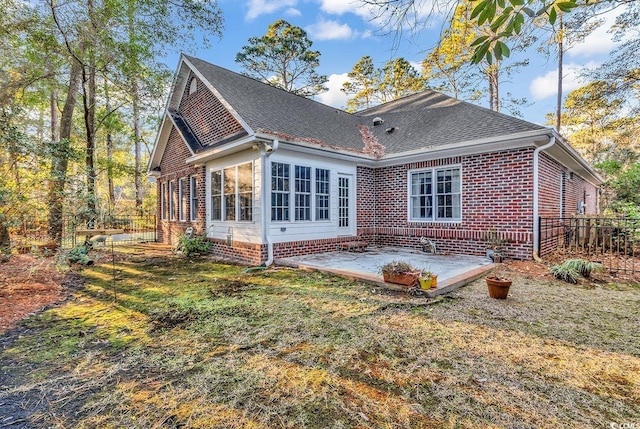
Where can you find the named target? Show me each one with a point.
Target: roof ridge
(190, 58)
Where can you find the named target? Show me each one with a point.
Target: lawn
(202, 344)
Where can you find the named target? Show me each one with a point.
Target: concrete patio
(454, 271)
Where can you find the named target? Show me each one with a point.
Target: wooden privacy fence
(614, 242)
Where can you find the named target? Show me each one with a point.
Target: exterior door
(346, 215)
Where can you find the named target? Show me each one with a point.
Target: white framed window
(216, 195)
(172, 200)
(322, 194)
(193, 198)
(163, 201)
(229, 192)
(279, 191)
(244, 188)
(182, 200)
(435, 195)
(301, 190)
(302, 193)
(232, 193)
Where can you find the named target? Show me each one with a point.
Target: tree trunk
(112, 193)
(138, 149)
(60, 155)
(89, 100)
(560, 73)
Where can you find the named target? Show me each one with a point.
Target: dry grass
(204, 345)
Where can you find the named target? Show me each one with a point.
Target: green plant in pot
(400, 273)
(428, 280)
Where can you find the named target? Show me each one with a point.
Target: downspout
(265, 153)
(536, 208)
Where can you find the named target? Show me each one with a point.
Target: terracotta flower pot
(406, 279)
(498, 287)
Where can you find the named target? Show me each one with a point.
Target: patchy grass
(205, 345)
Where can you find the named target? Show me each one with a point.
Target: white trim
(181, 209)
(434, 194)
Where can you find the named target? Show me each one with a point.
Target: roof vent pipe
(377, 121)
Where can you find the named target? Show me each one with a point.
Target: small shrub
(193, 245)
(565, 272)
(79, 255)
(585, 268)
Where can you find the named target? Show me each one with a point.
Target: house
(267, 174)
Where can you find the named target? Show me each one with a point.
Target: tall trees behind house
(99, 81)
(368, 86)
(283, 58)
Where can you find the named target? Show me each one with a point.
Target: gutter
(265, 154)
(536, 192)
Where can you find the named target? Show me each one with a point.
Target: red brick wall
(245, 253)
(497, 193)
(172, 168)
(206, 115)
(575, 189)
(307, 247)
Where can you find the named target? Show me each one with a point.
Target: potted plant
(400, 273)
(495, 245)
(428, 280)
(498, 285)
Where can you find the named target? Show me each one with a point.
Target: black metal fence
(32, 232)
(614, 242)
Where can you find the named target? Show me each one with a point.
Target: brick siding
(206, 115)
(496, 194)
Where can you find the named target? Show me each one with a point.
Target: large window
(245, 192)
(163, 201)
(279, 191)
(193, 198)
(182, 200)
(322, 194)
(232, 193)
(172, 200)
(229, 193)
(216, 195)
(435, 195)
(308, 198)
(303, 193)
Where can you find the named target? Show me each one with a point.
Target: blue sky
(343, 32)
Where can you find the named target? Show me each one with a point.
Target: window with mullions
(245, 192)
(322, 194)
(193, 198)
(279, 191)
(439, 201)
(182, 200)
(229, 193)
(163, 201)
(172, 200)
(216, 195)
(303, 193)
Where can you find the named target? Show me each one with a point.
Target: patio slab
(454, 271)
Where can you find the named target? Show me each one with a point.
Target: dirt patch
(27, 284)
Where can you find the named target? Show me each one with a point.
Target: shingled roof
(421, 121)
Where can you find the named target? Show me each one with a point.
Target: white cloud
(263, 7)
(339, 7)
(334, 97)
(547, 85)
(329, 30)
(599, 41)
(292, 11)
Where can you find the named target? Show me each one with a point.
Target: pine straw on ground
(202, 344)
